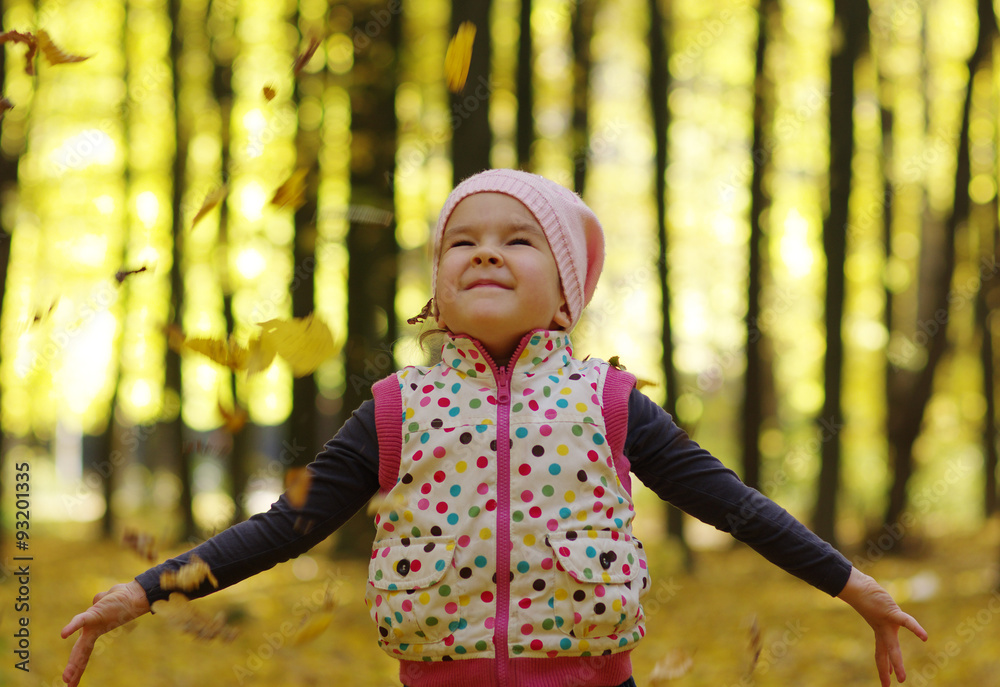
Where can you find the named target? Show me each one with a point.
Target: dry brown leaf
(179, 613)
(269, 92)
(754, 645)
(189, 576)
(29, 40)
(297, 481)
(211, 200)
(142, 543)
(175, 337)
(293, 191)
(459, 56)
(53, 53)
(123, 274)
(233, 420)
(675, 664)
(303, 59)
(5, 104)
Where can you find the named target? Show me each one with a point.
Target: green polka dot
(517, 516)
(445, 590)
(481, 645)
(517, 407)
(431, 621)
(547, 490)
(577, 430)
(475, 403)
(474, 511)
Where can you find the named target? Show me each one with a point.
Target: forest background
(800, 201)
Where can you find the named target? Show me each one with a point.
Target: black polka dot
(437, 423)
(579, 595)
(429, 547)
(537, 450)
(465, 573)
(538, 585)
(406, 479)
(571, 535)
(599, 608)
(436, 531)
(405, 541)
(465, 438)
(575, 375)
(582, 475)
(493, 445)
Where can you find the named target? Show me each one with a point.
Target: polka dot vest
(507, 524)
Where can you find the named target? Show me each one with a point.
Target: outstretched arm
(113, 608)
(877, 607)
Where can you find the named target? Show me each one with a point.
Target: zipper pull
(503, 388)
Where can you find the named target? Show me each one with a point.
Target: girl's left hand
(877, 607)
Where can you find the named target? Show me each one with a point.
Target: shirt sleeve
(681, 472)
(343, 477)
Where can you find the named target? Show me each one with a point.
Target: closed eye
(520, 242)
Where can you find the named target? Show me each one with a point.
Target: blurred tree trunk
(851, 28)
(525, 90)
(8, 187)
(659, 90)
(911, 390)
(173, 427)
(303, 423)
(754, 391)
(582, 31)
(986, 304)
(472, 139)
(371, 278)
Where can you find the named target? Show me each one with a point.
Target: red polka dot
(422, 504)
(553, 525)
(439, 452)
(545, 430)
(487, 597)
(598, 590)
(535, 512)
(524, 469)
(547, 564)
(439, 476)
(464, 540)
(598, 506)
(442, 507)
(626, 569)
(418, 454)
(533, 404)
(388, 527)
(598, 491)
(524, 603)
(482, 462)
(428, 388)
(563, 551)
(425, 488)
(527, 629)
(491, 504)
(444, 402)
(483, 488)
(536, 644)
(414, 565)
(451, 607)
(526, 496)
(480, 367)
(490, 622)
(592, 455)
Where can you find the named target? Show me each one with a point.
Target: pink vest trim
(559, 671)
(389, 425)
(617, 387)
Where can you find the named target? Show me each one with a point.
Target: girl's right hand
(113, 608)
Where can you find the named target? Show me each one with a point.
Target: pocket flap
(596, 555)
(410, 562)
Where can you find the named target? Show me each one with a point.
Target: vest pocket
(408, 595)
(598, 582)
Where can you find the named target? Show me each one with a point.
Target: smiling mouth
(486, 284)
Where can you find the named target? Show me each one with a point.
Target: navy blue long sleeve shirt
(344, 476)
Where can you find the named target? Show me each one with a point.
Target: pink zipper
(503, 380)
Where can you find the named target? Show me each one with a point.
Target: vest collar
(541, 351)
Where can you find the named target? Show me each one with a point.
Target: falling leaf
(314, 623)
(259, 356)
(297, 481)
(211, 200)
(675, 664)
(122, 274)
(269, 92)
(226, 352)
(303, 59)
(754, 645)
(179, 613)
(233, 420)
(458, 56)
(40, 316)
(142, 543)
(293, 191)
(53, 53)
(175, 338)
(29, 40)
(5, 104)
(189, 576)
(304, 342)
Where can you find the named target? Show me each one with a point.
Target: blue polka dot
(480, 561)
(482, 428)
(523, 567)
(591, 552)
(521, 432)
(454, 411)
(455, 490)
(555, 469)
(425, 437)
(598, 439)
(565, 512)
(456, 387)
(562, 403)
(452, 518)
(439, 565)
(565, 643)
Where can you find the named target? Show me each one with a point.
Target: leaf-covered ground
(706, 621)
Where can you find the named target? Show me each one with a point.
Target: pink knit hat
(574, 234)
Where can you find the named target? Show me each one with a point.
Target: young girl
(504, 553)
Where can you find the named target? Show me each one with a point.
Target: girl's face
(497, 279)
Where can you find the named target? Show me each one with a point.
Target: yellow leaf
(52, 51)
(304, 342)
(189, 576)
(225, 352)
(303, 59)
(458, 56)
(233, 420)
(313, 624)
(259, 357)
(142, 543)
(211, 200)
(293, 191)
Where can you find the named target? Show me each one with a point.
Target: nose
(486, 255)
